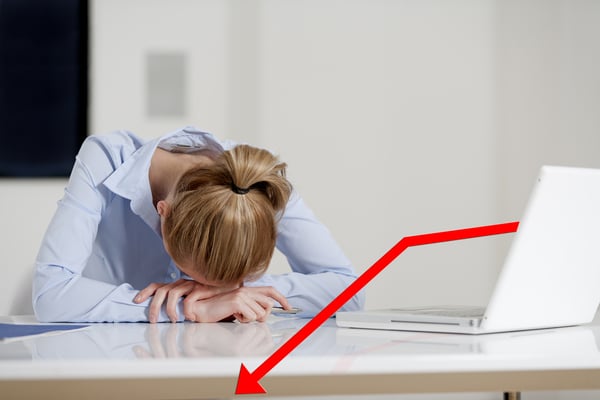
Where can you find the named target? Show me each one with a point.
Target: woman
(182, 227)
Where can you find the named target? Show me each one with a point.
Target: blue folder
(14, 331)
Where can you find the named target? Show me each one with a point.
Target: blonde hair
(223, 218)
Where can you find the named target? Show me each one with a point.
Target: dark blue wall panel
(43, 85)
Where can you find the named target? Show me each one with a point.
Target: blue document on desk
(10, 332)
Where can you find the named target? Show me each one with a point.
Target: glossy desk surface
(188, 360)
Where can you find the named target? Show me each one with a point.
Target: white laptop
(550, 278)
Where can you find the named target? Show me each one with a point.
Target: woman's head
(222, 219)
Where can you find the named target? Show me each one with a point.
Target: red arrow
(248, 382)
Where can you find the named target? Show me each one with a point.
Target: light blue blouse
(103, 244)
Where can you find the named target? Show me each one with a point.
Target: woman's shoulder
(118, 142)
(102, 154)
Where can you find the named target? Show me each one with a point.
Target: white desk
(193, 361)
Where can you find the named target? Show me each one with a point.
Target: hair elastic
(239, 190)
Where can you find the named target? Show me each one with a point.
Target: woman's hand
(171, 293)
(246, 304)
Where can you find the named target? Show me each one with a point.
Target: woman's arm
(320, 269)
(60, 292)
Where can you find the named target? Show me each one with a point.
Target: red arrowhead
(247, 384)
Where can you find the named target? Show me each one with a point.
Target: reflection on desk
(191, 340)
(166, 340)
(223, 340)
(204, 359)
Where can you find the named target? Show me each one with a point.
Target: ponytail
(224, 217)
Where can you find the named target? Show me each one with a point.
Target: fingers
(145, 293)
(199, 292)
(159, 291)
(178, 289)
(241, 305)
(263, 307)
(271, 293)
(259, 308)
(253, 304)
(281, 299)
(168, 294)
(177, 292)
(159, 297)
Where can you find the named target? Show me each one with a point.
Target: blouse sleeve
(320, 270)
(60, 292)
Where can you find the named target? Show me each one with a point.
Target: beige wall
(395, 117)
(381, 110)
